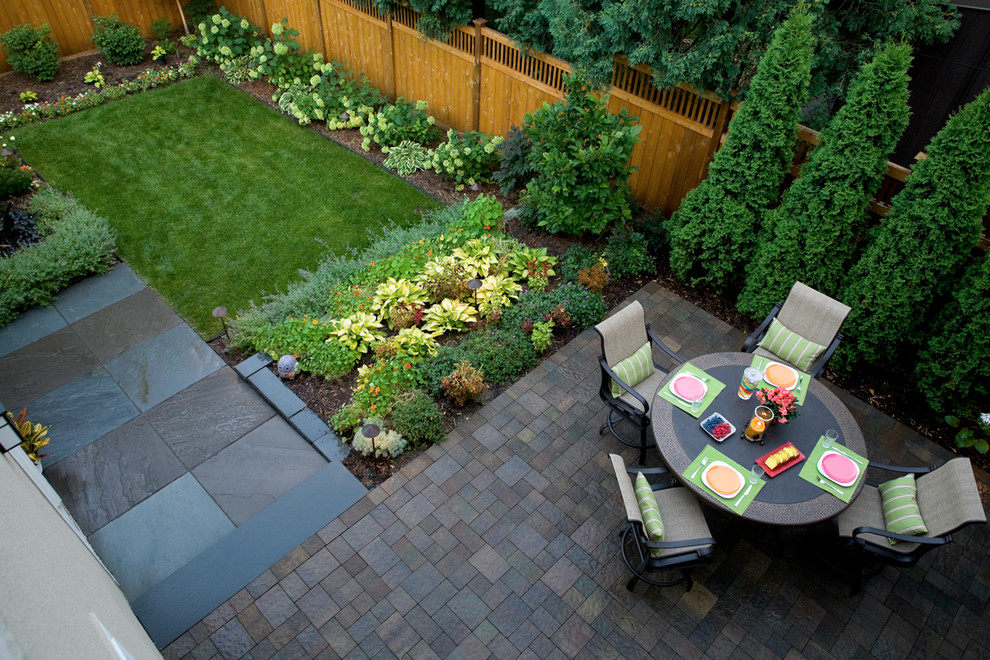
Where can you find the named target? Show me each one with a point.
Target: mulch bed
(880, 390)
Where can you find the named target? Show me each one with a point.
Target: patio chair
(948, 500)
(810, 315)
(625, 337)
(687, 542)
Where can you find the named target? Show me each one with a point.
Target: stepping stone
(94, 293)
(106, 478)
(198, 422)
(43, 366)
(160, 535)
(261, 467)
(126, 324)
(79, 413)
(163, 366)
(31, 326)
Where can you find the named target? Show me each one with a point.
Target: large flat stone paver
(31, 326)
(204, 418)
(251, 474)
(81, 411)
(160, 535)
(163, 366)
(110, 476)
(29, 372)
(94, 293)
(126, 324)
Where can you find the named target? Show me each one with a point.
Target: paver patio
(503, 542)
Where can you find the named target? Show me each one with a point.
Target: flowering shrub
(358, 331)
(394, 123)
(280, 60)
(464, 383)
(449, 315)
(542, 335)
(225, 36)
(407, 157)
(387, 444)
(781, 401)
(467, 158)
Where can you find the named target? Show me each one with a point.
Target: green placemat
(745, 496)
(715, 386)
(809, 472)
(759, 362)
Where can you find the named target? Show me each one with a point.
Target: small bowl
(717, 418)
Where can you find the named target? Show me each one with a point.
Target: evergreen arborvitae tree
(713, 233)
(918, 251)
(810, 236)
(954, 369)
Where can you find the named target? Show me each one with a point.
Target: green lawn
(216, 198)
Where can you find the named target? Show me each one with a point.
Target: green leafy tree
(437, 18)
(810, 236)
(580, 155)
(954, 369)
(716, 44)
(918, 251)
(712, 234)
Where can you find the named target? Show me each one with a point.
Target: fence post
(718, 130)
(388, 49)
(476, 80)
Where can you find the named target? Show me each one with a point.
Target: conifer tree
(811, 236)
(918, 252)
(954, 369)
(713, 233)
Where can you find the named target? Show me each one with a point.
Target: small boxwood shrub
(31, 50)
(627, 254)
(121, 43)
(575, 259)
(77, 243)
(418, 418)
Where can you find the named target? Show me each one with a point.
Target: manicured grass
(215, 197)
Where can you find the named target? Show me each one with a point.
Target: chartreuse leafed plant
(232, 209)
(811, 236)
(954, 367)
(35, 435)
(920, 248)
(407, 157)
(713, 233)
(580, 155)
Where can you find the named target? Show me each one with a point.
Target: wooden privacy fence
(475, 80)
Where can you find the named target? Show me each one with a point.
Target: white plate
(851, 462)
(704, 386)
(728, 496)
(797, 376)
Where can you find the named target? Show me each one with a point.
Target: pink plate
(688, 387)
(840, 469)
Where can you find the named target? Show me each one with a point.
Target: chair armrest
(687, 543)
(666, 349)
(611, 374)
(819, 366)
(646, 471)
(750, 344)
(924, 540)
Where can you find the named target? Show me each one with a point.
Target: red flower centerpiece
(781, 401)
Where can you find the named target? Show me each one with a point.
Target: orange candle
(755, 428)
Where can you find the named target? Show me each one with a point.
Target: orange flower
(408, 366)
(315, 322)
(372, 263)
(430, 253)
(374, 407)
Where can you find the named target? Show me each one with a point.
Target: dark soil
(880, 390)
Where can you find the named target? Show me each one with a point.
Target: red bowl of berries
(718, 427)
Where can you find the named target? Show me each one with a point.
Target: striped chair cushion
(651, 512)
(790, 346)
(901, 515)
(635, 368)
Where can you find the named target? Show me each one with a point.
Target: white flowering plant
(387, 444)
(225, 36)
(467, 158)
(280, 59)
(403, 121)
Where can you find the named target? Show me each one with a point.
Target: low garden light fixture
(474, 285)
(220, 313)
(372, 431)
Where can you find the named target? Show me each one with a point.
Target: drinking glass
(831, 435)
(756, 474)
(696, 406)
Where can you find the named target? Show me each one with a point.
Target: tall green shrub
(812, 234)
(580, 154)
(31, 50)
(121, 43)
(713, 233)
(954, 369)
(917, 253)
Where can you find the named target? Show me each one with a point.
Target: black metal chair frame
(639, 419)
(816, 369)
(646, 562)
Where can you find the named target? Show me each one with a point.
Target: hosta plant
(414, 344)
(448, 315)
(525, 262)
(478, 256)
(444, 278)
(393, 292)
(467, 158)
(465, 383)
(358, 331)
(497, 291)
(238, 70)
(407, 157)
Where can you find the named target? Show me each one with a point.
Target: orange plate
(762, 460)
(781, 374)
(724, 480)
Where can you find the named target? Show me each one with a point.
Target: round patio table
(786, 499)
